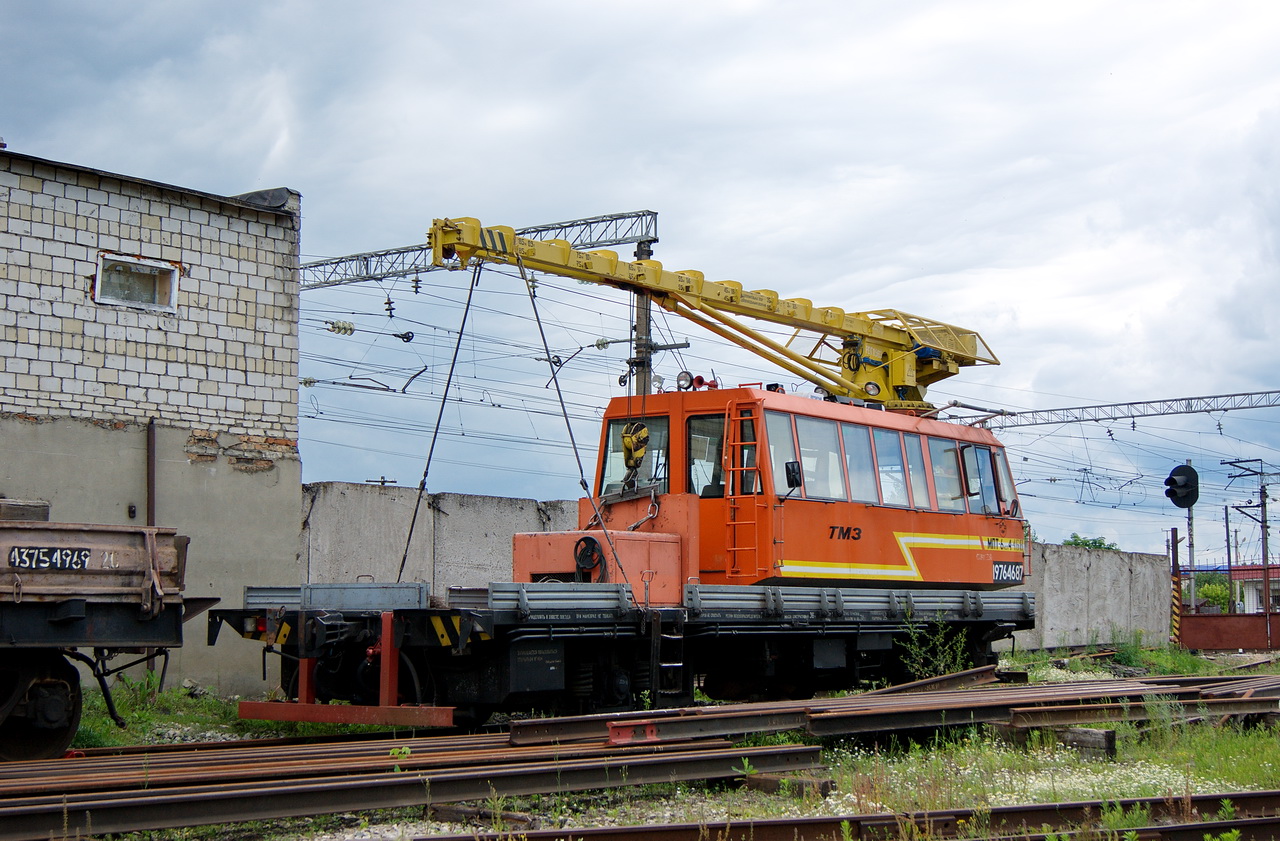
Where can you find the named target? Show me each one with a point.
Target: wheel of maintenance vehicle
(41, 703)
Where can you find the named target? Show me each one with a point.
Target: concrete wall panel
(1096, 597)
(241, 533)
(458, 540)
(473, 536)
(352, 530)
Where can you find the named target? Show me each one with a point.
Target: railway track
(1027, 706)
(227, 782)
(60, 798)
(1256, 815)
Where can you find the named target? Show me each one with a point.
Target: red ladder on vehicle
(743, 483)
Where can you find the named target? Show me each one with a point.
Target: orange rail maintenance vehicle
(744, 542)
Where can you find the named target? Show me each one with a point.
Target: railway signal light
(1183, 486)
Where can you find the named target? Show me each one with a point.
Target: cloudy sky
(1094, 187)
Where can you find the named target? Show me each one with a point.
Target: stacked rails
(1016, 706)
(213, 784)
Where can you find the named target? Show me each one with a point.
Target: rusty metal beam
(980, 676)
(678, 728)
(579, 728)
(1181, 710)
(408, 716)
(856, 713)
(278, 766)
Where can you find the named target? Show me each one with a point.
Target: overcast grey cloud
(1092, 186)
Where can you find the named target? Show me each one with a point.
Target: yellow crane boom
(882, 356)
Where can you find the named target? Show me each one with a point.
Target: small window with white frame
(136, 282)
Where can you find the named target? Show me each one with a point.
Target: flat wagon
(103, 596)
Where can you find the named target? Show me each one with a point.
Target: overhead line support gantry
(1142, 409)
(637, 226)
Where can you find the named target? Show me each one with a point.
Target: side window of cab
(945, 462)
(706, 450)
(980, 480)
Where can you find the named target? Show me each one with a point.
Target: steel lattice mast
(1142, 409)
(638, 226)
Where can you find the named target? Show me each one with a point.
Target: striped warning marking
(448, 631)
(279, 637)
(494, 240)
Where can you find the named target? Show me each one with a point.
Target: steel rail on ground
(205, 755)
(95, 813)
(1256, 815)
(229, 767)
(862, 714)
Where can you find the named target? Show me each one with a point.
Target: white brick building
(149, 347)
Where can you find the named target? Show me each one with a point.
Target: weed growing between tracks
(931, 649)
(974, 771)
(1243, 758)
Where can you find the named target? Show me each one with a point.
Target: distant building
(149, 346)
(1247, 587)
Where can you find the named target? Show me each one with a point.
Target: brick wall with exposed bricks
(220, 353)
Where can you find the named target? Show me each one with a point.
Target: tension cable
(564, 411)
(435, 434)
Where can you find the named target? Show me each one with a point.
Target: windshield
(635, 457)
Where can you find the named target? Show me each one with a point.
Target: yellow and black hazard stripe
(448, 631)
(1175, 613)
(494, 240)
(278, 635)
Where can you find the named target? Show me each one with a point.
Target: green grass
(973, 770)
(1239, 757)
(147, 710)
(177, 714)
(1175, 661)
(1130, 653)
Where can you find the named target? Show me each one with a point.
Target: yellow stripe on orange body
(905, 567)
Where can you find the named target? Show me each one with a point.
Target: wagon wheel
(40, 704)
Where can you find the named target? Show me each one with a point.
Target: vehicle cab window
(782, 447)
(820, 458)
(705, 449)
(980, 480)
(862, 467)
(636, 456)
(889, 465)
(943, 457)
(1009, 504)
(916, 471)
